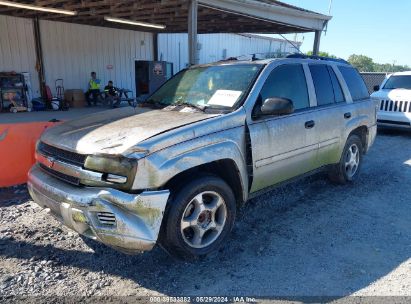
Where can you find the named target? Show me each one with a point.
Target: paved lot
(309, 238)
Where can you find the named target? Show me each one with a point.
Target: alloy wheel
(352, 160)
(203, 219)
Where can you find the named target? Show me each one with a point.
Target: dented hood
(115, 131)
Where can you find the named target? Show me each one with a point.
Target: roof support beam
(155, 46)
(192, 32)
(316, 46)
(39, 55)
(305, 20)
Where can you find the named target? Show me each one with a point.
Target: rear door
(332, 112)
(283, 146)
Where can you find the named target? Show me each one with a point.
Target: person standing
(93, 89)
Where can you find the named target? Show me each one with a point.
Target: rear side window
(322, 84)
(338, 93)
(287, 81)
(355, 83)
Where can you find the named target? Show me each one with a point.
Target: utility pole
(329, 7)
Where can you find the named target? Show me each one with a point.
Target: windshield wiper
(191, 105)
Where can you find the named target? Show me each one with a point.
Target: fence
(372, 79)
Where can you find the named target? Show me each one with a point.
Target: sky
(379, 29)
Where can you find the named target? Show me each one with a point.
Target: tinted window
(287, 81)
(354, 82)
(322, 84)
(338, 93)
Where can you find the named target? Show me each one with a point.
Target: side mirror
(376, 88)
(277, 106)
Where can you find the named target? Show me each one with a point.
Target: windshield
(398, 82)
(208, 86)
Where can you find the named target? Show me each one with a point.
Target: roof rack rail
(229, 59)
(252, 58)
(303, 56)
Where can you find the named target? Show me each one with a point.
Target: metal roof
(214, 16)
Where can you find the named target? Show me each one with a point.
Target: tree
(387, 67)
(322, 54)
(362, 63)
(366, 64)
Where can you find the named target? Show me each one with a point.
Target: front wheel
(347, 170)
(199, 218)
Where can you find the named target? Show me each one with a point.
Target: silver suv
(174, 170)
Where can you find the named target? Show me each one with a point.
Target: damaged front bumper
(126, 222)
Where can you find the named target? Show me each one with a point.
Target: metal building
(68, 39)
(106, 36)
(69, 50)
(215, 47)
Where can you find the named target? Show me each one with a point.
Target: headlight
(116, 169)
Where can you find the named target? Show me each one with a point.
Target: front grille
(394, 122)
(63, 155)
(106, 218)
(64, 177)
(395, 106)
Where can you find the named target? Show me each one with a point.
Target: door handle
(309, 124)
(347, 115)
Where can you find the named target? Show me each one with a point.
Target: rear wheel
(347, 170)
(199, 218)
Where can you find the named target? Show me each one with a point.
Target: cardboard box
(75, 98)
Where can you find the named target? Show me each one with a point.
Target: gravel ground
(309, 238)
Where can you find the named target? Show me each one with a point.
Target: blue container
(38, 104)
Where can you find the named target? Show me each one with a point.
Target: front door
(283, 146)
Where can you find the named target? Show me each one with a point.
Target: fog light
(78, 216)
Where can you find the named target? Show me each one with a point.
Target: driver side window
(286, 81)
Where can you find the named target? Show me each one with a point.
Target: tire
(347, 170)
(198, 218)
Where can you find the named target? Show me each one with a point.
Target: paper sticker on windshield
(225, 98)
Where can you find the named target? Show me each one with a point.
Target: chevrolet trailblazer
(174, 170)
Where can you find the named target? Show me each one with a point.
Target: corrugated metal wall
(214, 47)
(72, 51)
(17, 50)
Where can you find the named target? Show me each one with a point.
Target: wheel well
(224, 168)
(362, 132)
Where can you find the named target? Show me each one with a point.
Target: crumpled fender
(157, 176)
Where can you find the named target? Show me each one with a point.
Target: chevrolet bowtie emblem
(49, 161)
